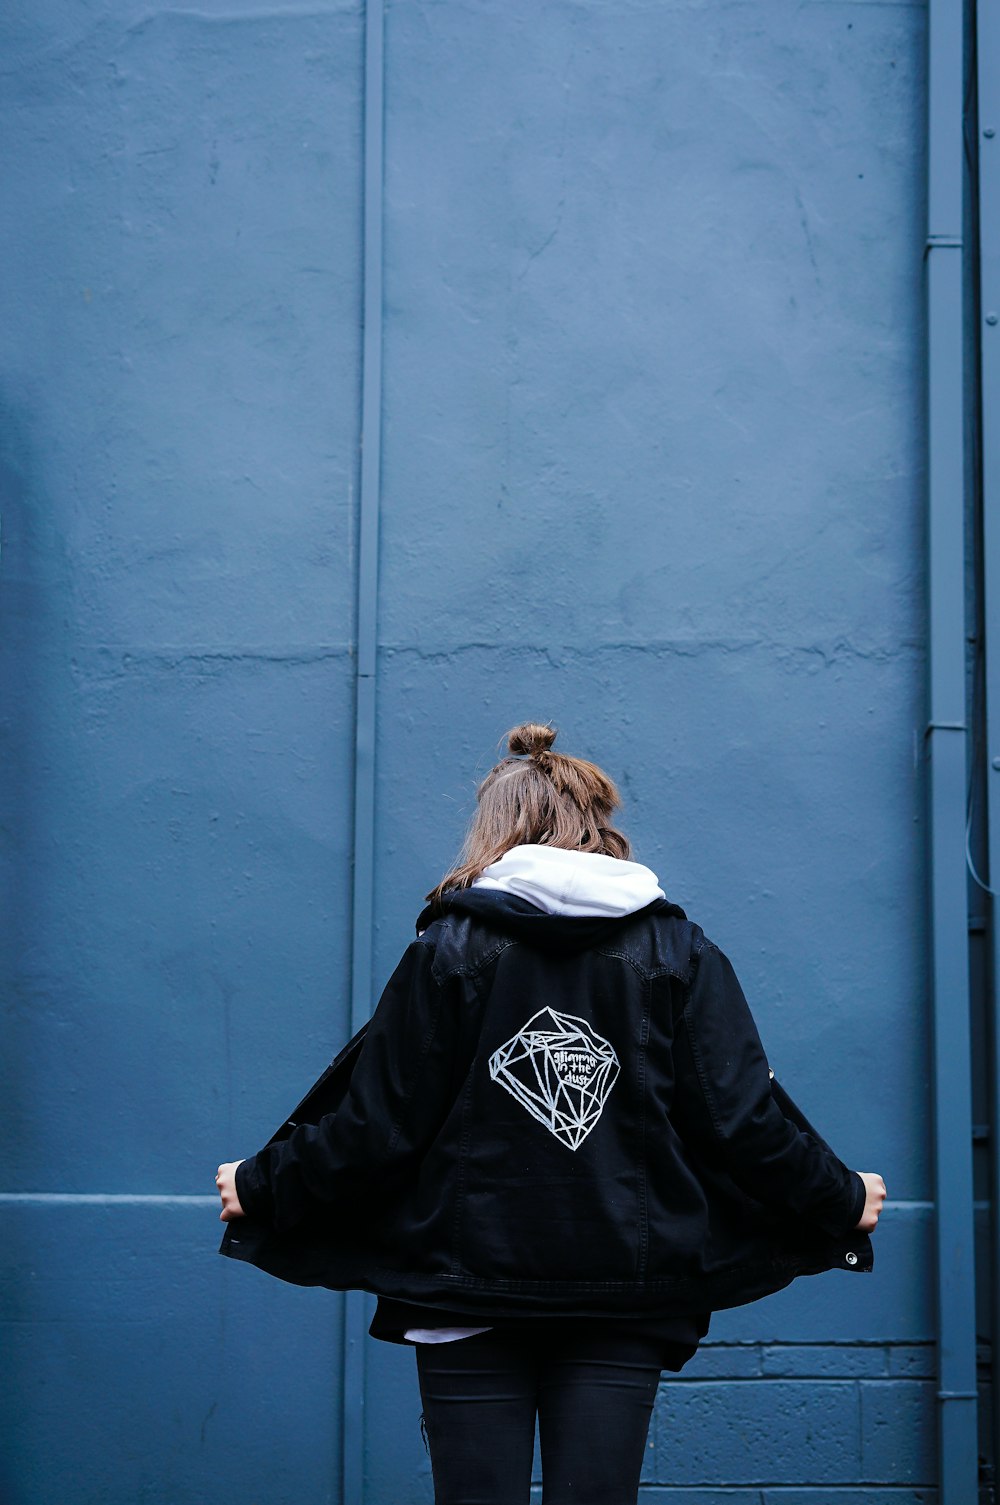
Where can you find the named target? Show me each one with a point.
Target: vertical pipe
(988, 90)
(946, 742)
(353, 1394)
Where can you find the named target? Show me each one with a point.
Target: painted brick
(758, 1432)
(710, 1495)
(656, 1494)
(716, 1361)
(912, 1360)
(868, 1495)
(827, 1494)
(842, 1360)
(898, 1427)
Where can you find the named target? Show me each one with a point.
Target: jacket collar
(532, 926)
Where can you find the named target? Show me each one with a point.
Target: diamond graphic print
(561, 1070)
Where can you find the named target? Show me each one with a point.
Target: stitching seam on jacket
(415, 1077)
(697, 1058)
(462, 970)
(465, 1135)
(645, 972)
(643, 1148)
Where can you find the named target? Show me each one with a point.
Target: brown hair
(539, 796)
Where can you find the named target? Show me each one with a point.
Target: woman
(555, 1149)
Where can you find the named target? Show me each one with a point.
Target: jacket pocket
(552, 1227)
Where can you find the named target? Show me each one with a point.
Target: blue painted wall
(652, 468)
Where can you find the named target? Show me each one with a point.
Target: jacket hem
(497, 1297)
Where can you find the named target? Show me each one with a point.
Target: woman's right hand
(875, 1187)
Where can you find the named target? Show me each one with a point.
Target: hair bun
(531, 737)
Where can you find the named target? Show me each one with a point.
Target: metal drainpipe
(988, 89)
(355, 1323)
(946, 744)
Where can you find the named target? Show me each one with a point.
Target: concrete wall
(652, 468)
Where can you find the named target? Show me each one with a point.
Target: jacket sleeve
(395, 1102)
(723, 1100)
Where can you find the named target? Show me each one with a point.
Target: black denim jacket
(552, 1116)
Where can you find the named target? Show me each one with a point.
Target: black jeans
(591, 1390)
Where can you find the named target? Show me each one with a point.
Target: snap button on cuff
(851, 1257)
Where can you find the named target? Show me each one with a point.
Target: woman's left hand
(225, 1180)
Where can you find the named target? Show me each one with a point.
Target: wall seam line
(352, 1398)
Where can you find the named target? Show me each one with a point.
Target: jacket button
(851, 1257)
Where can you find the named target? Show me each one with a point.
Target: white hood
(567, 882)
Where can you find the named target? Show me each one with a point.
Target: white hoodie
(567, 882)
